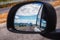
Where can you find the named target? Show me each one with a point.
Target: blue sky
(27, 17)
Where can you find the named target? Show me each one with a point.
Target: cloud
(28, 10)
(16, 17)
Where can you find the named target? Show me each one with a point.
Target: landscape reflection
(28, 18)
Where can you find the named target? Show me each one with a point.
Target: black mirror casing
(50, 16)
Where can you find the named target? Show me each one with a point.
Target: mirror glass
(28, 18)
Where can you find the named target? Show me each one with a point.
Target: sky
(27, 13)
(25, 19)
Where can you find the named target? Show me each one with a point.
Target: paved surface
(6, 35)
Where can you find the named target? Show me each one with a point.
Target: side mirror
(33, 17)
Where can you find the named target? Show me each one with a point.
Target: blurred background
(5, 6)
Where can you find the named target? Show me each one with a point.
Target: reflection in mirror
(28, 18)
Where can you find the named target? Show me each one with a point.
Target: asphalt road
(6, 35)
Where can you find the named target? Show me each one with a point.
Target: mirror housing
(50, 16)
